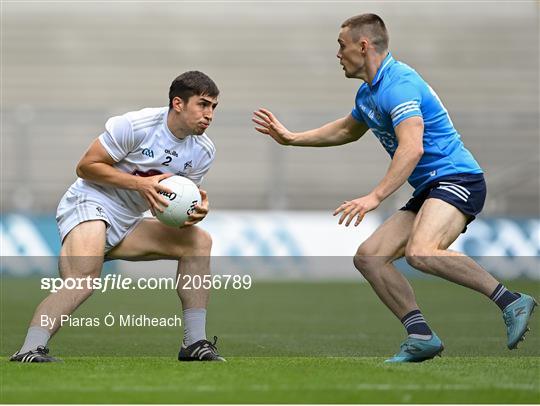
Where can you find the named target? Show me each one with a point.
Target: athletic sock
(416, 325)
(194, 326)
(502, 296)
(35, 337)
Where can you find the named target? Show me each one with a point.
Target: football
(185, 195)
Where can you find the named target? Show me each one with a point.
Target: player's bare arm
(201, 210)
(338, 132)
(409, 151)
(96, 165)
(410, 133)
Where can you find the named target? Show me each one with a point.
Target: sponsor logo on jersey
(150, 172)
(372, 113)
(173, 153)
(188, 164)
(148, 152)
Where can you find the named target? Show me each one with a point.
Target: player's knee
(79, 268)
(200, 242)
(417, 256)
(366, 260)
(204, 240)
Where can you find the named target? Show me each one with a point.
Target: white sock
(194, 326)
(35, 337)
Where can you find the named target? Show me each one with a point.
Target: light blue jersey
(397, 93)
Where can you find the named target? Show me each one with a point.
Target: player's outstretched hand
(200, 210)
(150, 188)
(268, 124)
(356, 208)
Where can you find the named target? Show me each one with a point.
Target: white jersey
(141, 143)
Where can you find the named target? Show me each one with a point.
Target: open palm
(270, 125)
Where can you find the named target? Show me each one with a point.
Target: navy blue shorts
(465, 191)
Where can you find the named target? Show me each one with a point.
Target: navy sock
(416, 325)
(502, 296)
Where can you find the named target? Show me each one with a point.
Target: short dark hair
(370, 25)
(192, 83)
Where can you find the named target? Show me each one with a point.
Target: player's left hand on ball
(356, 208)
(201, 210)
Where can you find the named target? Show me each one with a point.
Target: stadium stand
(67, 67)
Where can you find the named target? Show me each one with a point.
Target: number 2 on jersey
(167, 161)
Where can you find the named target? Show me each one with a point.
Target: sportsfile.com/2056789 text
(119, 282)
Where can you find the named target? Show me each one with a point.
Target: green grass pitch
(288, 342)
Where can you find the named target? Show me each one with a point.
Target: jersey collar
(167, 129)
(389, 60)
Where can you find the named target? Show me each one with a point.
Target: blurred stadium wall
(68, 66)
(282, 245)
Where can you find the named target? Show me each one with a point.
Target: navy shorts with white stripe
(465, 191)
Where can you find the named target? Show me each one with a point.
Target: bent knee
(368, 260)
(78, 267)
(200, 242)
(362, 259)
(417, 256)
(204, 239)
